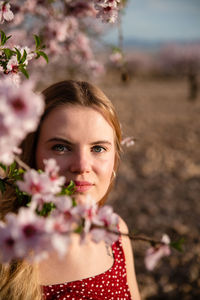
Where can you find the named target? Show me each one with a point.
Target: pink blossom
(14, 78)
(12, 65)
(21, 108)
(116, 57)
(107, 10)
(30, 54)
(35, 183)
(154, 254)
(108, 221)
(72, 27)
(63, 204)
(18, 115)
(59, 230)
(64, 211)
(5, 12)
(52, 169)
(86, 212)
(62, 30)
(38, 200)
(83, 44)
(128, 141)
(21, 234)
(8, 150)
(41, 184)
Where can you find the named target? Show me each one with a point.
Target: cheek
(105, 168)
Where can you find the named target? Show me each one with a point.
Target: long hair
(19, 278)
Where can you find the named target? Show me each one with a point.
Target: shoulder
(126, 243)
(128, 253)
(123, 226)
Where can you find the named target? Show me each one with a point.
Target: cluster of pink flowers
(28, 235)
(12, 68)
(107, 10)
(65, 33)
(20, 111)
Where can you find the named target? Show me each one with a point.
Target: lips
(82, 186)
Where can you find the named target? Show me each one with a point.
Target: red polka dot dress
(111, 285)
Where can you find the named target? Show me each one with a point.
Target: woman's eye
(60, 148)
(98, 149)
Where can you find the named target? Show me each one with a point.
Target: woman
(80, 130)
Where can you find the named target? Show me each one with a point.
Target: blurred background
(156, 93)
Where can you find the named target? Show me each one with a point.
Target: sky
(163, 20)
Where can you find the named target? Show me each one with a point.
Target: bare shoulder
(128, 252)
(123, 226)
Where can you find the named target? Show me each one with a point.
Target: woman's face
(82, 143)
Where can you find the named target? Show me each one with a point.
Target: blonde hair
(19, 279)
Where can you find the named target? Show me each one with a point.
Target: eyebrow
(58, 139)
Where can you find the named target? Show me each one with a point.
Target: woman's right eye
(60, 148)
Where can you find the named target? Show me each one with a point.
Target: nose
(80, 163)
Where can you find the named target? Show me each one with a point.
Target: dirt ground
(157, 189)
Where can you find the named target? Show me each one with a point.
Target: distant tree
(183, 60)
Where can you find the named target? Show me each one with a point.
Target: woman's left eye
(98, 149)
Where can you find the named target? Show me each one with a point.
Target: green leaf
(23, 70)
(71, 186)
(22, 60)
(22, 199)
(74, 204)
(2, 186)
(79, 229)
(21, 171)
(116, 49)
(18, 55)
(178, 245)
(8, 37)
(41, 53)
(37, 41)
(12, 169)
(69, 190)
(8, 52)
(46, 210)
(18, 174)
(3, 38)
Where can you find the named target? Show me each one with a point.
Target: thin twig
(21, 163)
(133, 237)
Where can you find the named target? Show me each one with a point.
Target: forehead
(76, 120)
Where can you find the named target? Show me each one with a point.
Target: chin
(84, 198)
